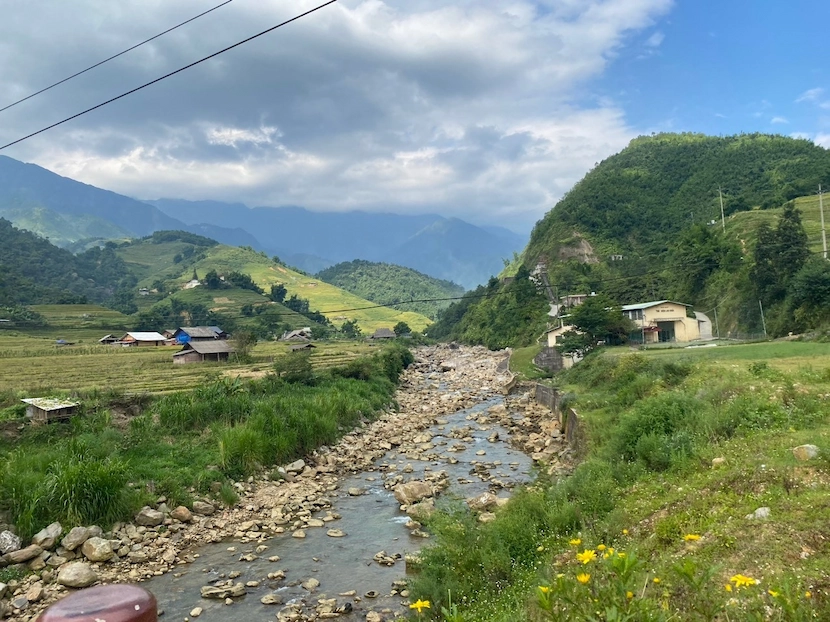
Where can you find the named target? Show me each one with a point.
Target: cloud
(822, 139)
(778, 120)
(468, 108)
(655, 40)
(810, 95)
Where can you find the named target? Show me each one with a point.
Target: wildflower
(691, 537)
(621, 554)
(629, 595)
(625, 532)
(808, 594)
(601, 547)
(773, 593)
(583, 577)
(540, 548)
(742, 580)
(544, 589)
(586, 556)
(575, 542)
(728, 587)
(655, 580)
(560, 575)
(419, 605)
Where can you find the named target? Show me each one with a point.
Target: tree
(779, 255)
(295, 367)
(597, 319)
(401, 328)
(278, 292)
(212, 280)
(350, 329)
(243, 342)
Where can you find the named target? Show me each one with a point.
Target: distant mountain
(385, 283)
(443, 248)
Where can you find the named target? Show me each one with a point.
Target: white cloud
(468, 108)
(778, 120)
(810, 95)
(823, 140)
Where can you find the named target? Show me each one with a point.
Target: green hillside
(385, 283)
(645, 225)
(170, 259)
(61, 229)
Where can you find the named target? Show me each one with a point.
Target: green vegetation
(385, 284)
(101, 468)
(649, 487)
(645, 225)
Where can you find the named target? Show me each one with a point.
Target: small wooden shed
(201, 351)
(303, 346)
(383, 333)
(46, 409)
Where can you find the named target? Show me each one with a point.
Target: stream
(372, 522)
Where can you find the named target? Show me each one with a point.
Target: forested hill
(34, 271)
(384, 283)
(645, 224)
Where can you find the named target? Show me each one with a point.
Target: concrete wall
(568, 417)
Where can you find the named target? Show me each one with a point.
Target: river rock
(310, 584)
(412, 492)
(335, 533)
(75, 538)
(298, 534)
(182, 514)
(77, 574)
(223, 592)
(97, 550)
(373, 616)
(148, 517)
(47, 538)
(483, 502)
(35, 592)
(805, 452)
(203, 508)
(271, 599)
(759, 514)
(9, 542)
(195, 612)
(295, 467)
(23, 555)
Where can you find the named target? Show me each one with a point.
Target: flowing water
(372, 523)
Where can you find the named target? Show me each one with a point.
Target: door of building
(665, 332)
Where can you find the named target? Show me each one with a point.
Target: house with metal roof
(46, 409)
(203, 351)
(664, 321)
(185, 334)
(147, 338)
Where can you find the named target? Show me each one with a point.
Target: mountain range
(76, 215)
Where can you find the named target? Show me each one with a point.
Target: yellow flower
(544, 589)
(560, 575)
(575, 542)
(656, 580)
(691, 537)
(583, 577)
(601, 547)
(728, 587)
(419, 605)
(629, 595)
(625, 532)
(742, 580)
(621, 554)
(586, 556)
(773, 593)
(808, 594)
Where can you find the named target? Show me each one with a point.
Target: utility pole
(717, 326)
(821, 211)
(763, 321)
(722, 219)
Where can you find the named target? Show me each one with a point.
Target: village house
(186, 334)
(108, 340)
(664, 321)
(202, 351)
(46, 409)
(383, 333)
(302, 346)
(301, 334)
(142, 339)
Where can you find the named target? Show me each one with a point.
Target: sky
(486, 110)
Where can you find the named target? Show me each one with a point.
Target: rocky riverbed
(331, 538)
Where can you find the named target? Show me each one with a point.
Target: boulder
(806, 452)
(47, 538)
(97, 550)
(9, 542)
(761, 513)
(35, 592)
(148, 517)
(310, 584)
(412, 492)
(203, 508)
(23, 555)
(228, 591)
(295, 467)
(75, 538)
(483, 502)
(182, 514)
(77, 574)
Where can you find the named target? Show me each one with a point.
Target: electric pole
(821, 211)
(763, 319)
(722, 219)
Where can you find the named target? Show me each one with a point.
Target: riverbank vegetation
(106, 463)
(688, 502)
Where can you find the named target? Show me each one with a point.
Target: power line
(172, 73)
(114, 56)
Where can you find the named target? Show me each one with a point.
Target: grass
(744, 224)
(654, 422)
(521, 363)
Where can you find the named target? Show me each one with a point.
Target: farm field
(31, 365)
(744, 224)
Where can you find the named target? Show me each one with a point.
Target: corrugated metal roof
(207, 347)
(383, 332)
(146, 336)
(646, 305)
(49, 403)
(202, 332)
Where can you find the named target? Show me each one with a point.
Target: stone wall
(568, 417)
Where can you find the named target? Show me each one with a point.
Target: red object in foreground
(113, 603)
